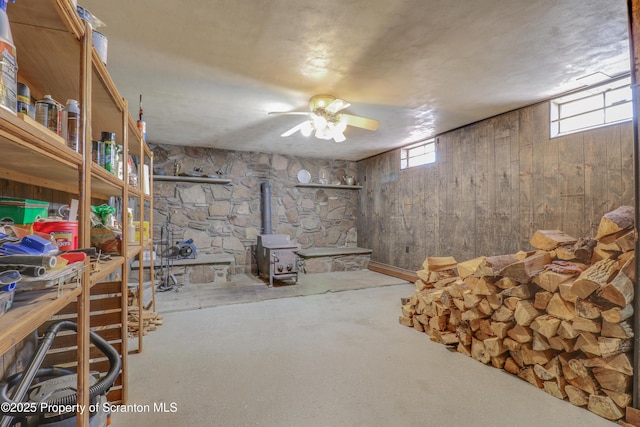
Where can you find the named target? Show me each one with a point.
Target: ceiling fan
(326, 119)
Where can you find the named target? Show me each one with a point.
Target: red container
(65, 233)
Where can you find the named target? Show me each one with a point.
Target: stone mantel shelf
(191, 179)
(342, 187)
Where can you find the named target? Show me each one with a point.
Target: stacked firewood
(150, 319)
(558, 317)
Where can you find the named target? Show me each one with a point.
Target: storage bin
(23, 211)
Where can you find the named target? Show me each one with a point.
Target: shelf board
(106, 268)
(34, 155)
(133, 250)
(25, 316)
(339, 186)
(191, 179)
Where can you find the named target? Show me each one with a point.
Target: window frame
(428, 148)
(599, 93)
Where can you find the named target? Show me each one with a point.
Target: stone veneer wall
(226, 219)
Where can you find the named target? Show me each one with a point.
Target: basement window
(422, 153)
(597, 106)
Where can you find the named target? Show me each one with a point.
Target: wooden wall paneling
(442, 161)
(526, 181)
(571, 183)
(460, 222)
(484, 186)
(626, 147)
(595, 179)
(514, 243)
(614, 168)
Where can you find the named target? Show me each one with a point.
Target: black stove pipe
(265, 186)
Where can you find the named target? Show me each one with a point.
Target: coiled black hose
(24, 379)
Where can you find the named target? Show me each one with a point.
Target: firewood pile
(150, 319)
(559, 317)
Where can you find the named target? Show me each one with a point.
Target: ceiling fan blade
(295, 129)
(336, 105)
(360, 122)
(297, 113)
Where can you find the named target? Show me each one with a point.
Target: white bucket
(100, 43)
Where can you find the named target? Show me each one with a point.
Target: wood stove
(276, 257)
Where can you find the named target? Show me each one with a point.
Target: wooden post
(633, 10)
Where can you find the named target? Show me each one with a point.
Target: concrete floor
(325, 359)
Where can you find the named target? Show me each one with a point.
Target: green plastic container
(23, 211)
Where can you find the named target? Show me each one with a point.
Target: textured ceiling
(209, 71)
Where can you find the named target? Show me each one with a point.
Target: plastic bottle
(131, 229)
(8, 63)
(71, 124)
(110, 155)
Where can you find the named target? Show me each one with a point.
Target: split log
(439, 263)
(418, 326)
(471, 300)
(615, 221)
(583, 249)
(587, 384)
(578, 367)
(586, 325)
(619, 362)
(499, 361)
(541, 299)
(464, 349)
(500, 329)
(493, 346)
(587, 310)
(520, 334)
(511, 366)
(511, 344)
(566, 330)
(406, 321)
(479, 352)
(556, 388)
(566, 293)
(494, 300)
(546, 325)
(539, 342)
(627, 241)
(469, 267)
(550, 239)
(408, 310)
(506, 283)
(612, 380)
(491, 266)
(621, 399)
(522, 291)
(550, 280)
(620, 291)
(618, 314)
(594, 277)
(562, 344)
(533, 357)
(502, 314)
(617, 330)
(523, 271)
(484, 307)
(560, 308)
(605, 407)
(464, 334)
(614, 346)
(529, 376)
(588, 343)
(511, 302)
(576, 396)
(525, 313)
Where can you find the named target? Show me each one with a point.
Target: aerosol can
(8, 63)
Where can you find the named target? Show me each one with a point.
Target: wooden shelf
(106, 268)
(339, 186)
(22, 319)
(201, 179)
